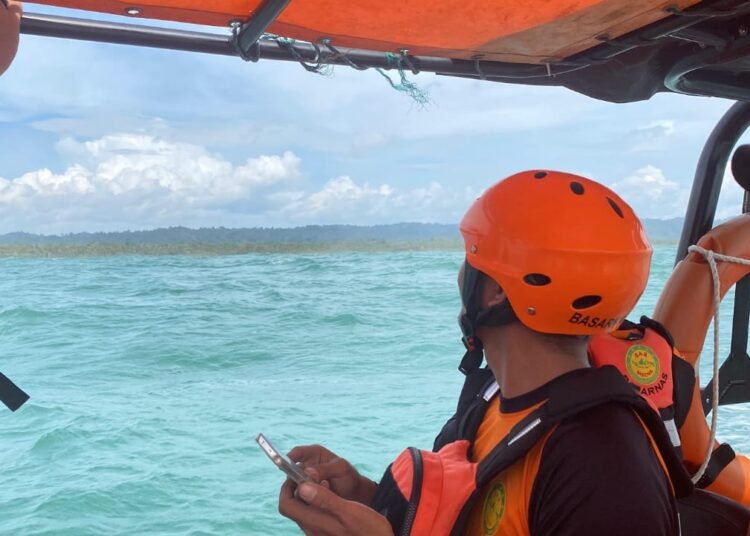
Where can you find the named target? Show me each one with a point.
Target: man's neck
(523, 362)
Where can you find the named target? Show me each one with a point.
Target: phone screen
(291, 469)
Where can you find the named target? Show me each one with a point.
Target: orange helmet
(571, 256)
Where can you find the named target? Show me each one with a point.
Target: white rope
(711, 257)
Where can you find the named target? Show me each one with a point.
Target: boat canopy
(516, 31)
(615, 50)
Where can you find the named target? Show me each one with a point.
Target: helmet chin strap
(473, 316)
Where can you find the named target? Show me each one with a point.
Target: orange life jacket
(644, 355)
(433, 493)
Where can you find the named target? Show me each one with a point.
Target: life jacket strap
(474, 385)
(566, 399)
(471, 360)
(722, 456)
(489, 392)
(474, 316)
(469, 422)
(659, 328)
(684, 385)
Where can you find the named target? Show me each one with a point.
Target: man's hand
(324, 466)
(320, 512)
(10, 18)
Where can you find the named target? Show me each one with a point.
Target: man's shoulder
(590, 466)
(607, 432)
(606, 422)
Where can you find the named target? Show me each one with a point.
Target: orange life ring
(686, 308)
(9, 27)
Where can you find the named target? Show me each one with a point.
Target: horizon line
(269, 228)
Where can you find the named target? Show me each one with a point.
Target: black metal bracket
(734, 373)
(248, 34)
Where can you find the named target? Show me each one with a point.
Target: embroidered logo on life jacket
(494, 508)
(642, 364)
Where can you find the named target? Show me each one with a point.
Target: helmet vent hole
(577, 188)
(540, 174)
(584, 302)
(537, 280)
(615, 207)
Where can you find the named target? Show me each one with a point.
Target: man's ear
(494, 294)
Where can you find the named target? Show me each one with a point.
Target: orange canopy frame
(515, 31)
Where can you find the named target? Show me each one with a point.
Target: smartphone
(291, 469)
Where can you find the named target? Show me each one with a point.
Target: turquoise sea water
(150, 377)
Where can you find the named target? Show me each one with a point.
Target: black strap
(658, 328)
(469, 402)
(472, 416)
(471, 360)
(683, 375)
(720, 458)
(10, 394)
(522, 437)
(474, 316)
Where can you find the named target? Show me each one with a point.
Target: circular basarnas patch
(494, 508)
(642, 364)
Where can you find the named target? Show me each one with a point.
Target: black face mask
(473, 316)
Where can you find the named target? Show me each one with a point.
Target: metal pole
(709, 174)
(131, 34)
(734, 373)
(126, 34)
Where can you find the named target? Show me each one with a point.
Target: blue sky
(104, 137)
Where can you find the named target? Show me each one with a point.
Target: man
(10, 17)
(551, 258)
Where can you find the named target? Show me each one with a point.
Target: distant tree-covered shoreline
(224, 241)
(103, 250)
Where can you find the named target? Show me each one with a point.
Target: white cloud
(135, 181)
(662, 127)
(653, 136)
(652, 194)
(343, 192)
(343, 200)
(648, 182)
